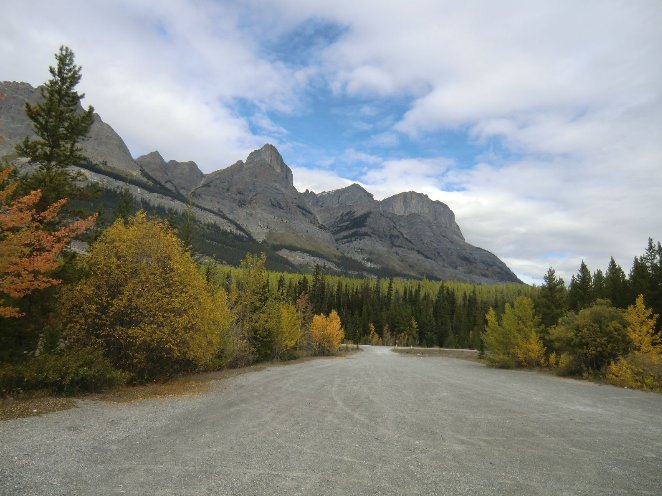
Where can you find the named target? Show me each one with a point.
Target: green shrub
(593, 337)
(66, 372)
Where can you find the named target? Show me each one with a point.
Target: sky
(538, 122)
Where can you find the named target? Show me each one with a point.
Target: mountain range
(254, 202)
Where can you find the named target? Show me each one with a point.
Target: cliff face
(407, 234)
(181, 177)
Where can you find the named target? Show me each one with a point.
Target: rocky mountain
(255, 201)
(181, 177)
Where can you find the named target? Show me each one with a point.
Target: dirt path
(373, 423)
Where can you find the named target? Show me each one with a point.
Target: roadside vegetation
(138, 307)
(579, 331)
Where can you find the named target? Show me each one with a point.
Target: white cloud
(352, 155)
(408, 174)
(165, 78)
(268, 125)
(317, 180)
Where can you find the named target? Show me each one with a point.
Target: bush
(144, 302)
(566, 365)
(638, 371)
(592, 338)
(69, 371)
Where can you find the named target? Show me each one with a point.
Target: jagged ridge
(407, 234)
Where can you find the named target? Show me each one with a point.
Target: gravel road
(371, 423)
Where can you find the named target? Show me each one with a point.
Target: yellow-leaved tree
(326, 333)
(515, 340)
(286, 329)
(144, 302)
(642, 367)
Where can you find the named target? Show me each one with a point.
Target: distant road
(373, 423)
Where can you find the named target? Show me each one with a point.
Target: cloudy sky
(539, 122)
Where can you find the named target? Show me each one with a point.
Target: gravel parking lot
(372, 423)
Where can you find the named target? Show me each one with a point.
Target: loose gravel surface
(372, 423)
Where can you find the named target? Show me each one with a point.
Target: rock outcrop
(408, 233)
(181, 177)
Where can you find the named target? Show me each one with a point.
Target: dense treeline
(602, 324)
(386, 311)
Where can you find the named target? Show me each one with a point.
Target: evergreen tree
(251, 305)
(653, 260)
(389, 292)
(317, 291)
(598, 285)
(551, 301)
(187, 230)
(580, 294)
(59, 126)
(639, 280)
(616, 289)
(125, 205)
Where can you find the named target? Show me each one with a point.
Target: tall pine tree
(616, 288)
(59, 124)
(551, 302)
(580, 294)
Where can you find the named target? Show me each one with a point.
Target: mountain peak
(152, 156)
(354, 194)
(270, 156)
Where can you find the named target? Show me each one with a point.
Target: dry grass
(471, 355)
(181, 386)
(29, 407)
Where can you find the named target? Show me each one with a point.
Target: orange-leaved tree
(29, 244)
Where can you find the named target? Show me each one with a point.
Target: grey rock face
(269, 155)
(14, 123)
(157, 200)
(104, 146)
(412, 203)
(352, 195)
(181, 177)
(259, 195)
(411, 235)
